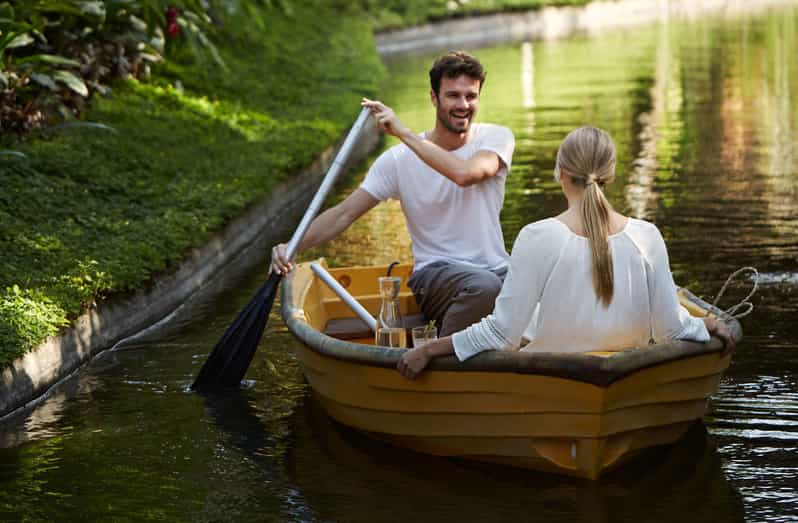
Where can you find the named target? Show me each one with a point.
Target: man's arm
(484, 164)
(326, 226)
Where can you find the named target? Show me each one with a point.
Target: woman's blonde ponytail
(588, 155)
(595, 211)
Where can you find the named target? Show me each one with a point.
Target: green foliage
(55, 53)
(26, 318)
(89, 213)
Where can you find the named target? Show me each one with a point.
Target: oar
(230, 358)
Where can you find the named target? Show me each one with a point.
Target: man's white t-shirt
(447, 222)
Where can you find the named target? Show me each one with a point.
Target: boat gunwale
(601, 371)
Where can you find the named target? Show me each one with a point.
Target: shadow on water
(235, 417)
(240, 424)
(347, 476)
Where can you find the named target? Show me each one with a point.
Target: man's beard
(444, 120)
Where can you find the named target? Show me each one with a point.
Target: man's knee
(480, 291)
(473, 301)
(484, 283)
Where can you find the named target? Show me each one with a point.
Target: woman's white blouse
(548, 296)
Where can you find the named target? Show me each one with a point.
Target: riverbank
(553, 21)
(391, 15)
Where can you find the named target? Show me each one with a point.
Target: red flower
(172, 29)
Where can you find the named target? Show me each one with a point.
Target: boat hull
(533, 415)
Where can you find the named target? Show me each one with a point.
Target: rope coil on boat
(749, 307)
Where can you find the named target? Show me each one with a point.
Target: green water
(704, 118)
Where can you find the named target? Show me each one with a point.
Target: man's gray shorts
(455, 295)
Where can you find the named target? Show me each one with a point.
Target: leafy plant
(55, 53)
(26, 318)
(429, 327)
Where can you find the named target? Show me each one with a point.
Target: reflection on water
(707, 131)
(346, 476)
(775, 278)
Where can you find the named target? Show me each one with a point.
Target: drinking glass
(392, 337)
(423, 334)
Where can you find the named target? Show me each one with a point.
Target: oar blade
(230, 358)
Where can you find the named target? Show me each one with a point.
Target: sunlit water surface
(707, 132)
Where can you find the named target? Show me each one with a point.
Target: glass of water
(394, 337)
(423, 334)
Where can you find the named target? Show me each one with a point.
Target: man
(450, 183)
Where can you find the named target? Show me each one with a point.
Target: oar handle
(327, 183)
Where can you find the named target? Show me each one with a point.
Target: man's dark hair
(454, 64)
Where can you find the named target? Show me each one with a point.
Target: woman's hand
(413, 362)
(416, 360)
(386, 119)
(722, 331)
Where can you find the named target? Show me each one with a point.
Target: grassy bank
(93, 212)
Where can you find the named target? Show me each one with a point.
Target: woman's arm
(669, 320)
(535, 253)
(415, 360)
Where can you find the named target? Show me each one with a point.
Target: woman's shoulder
(542, 232)
(642, 227)
(541, 242)
(645, 235)
(550, 226)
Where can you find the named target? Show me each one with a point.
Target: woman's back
(548, 298)
(570, 316)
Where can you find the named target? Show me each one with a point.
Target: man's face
(458, 102)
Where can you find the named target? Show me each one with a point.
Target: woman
(588, 279)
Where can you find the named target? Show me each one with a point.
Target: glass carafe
(390, 324)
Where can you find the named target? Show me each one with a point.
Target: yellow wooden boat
(576, 414)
